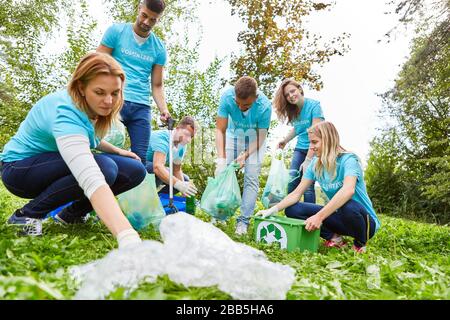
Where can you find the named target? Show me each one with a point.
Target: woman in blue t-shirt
(292, 107)
(49, 159)
(349, 211)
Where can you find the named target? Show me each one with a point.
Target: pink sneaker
(359, 249)
(335, 242)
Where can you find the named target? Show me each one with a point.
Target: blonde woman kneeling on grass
(339, 173)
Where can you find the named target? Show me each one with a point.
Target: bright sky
(351, 83)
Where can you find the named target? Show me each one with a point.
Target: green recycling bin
(288, 232)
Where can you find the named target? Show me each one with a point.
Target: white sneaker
(32, 228)
(241, 229)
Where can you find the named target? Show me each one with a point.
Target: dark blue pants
(349, 220)
(47, 180)
(297, 159)
(149, 168)
(137, 118)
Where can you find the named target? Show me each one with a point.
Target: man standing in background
(142, 56)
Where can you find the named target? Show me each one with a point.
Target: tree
(126, 11)
(21, 29)
(29, 68)
(419, 108)
(277, 46)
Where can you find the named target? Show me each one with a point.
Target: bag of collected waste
(222, 195)
(141, 204)
(116, 134)
(276, 188)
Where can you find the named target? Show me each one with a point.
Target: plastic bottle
(190, 202)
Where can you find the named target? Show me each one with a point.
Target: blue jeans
(137, 118)
(252, 169)
(351, 219)
(297, 159)
(149, 168)
(47, 180)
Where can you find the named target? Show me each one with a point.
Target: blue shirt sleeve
(352, 168)
(68, 122)
(162, 57)
(264, 122)
(159, 145)
(223, 110)
(110, 37)
(309, 173)
(317, 111)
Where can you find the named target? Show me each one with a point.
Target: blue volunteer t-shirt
(347, 165)
(159, 142)
(53, 116)
(239, 123)
(311, 109)
(137, 60)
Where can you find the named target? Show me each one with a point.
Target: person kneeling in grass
(158, 156)
(339, 173)
(49, 159)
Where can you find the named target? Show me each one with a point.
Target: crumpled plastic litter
(194, 253)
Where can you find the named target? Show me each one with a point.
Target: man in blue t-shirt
(243, 121)
(142, 56)
(158, 156)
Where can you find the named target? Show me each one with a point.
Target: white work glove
(185, 188)
(221, 165)
(268, 212)
(306, 164)
(128, 238)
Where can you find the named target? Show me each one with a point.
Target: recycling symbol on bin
(269, 232)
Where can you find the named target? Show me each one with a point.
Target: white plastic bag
(194, 253)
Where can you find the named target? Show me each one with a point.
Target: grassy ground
(405, 260)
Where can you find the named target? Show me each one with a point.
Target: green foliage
(277, 46)
(412, 259)
(437, 186)
(28, 70)
(190, 91)
(25, 30)
(408, 170)
(20, 28)
(126, 11)
(12, 112)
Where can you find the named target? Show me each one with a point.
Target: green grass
(413, 260)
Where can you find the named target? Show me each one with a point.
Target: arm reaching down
(76, 153)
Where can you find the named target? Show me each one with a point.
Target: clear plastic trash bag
(194, 254)
(276, 188)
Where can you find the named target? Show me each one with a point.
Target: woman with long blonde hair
(339, 173)
(293, 108)
(49, 159)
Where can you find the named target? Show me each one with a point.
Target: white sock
(128, 238)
